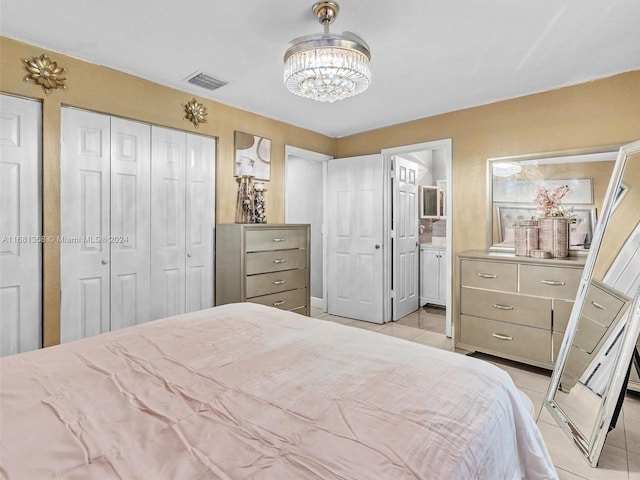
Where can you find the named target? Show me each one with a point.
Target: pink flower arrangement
(550, 202)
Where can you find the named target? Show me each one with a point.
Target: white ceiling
(428, 56)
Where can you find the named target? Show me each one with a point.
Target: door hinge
(393, 234)
(393, 294)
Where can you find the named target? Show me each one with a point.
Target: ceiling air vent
(207, 81)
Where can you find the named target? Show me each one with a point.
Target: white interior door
(84, 224)
(200, 221)
(167, 222)
(130, 223)
(405, 245)
(20, 219)
(354, 237)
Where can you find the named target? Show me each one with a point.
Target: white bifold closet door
(104, 223)
(20, 225)
(183, 220)
(137, 218)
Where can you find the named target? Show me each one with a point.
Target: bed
(244, 391)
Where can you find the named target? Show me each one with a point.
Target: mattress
(244, 391)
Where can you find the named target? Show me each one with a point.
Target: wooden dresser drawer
(267, 283)
(561, 314)
(490, 275)
(516, 340)
(588, 335)
(577, 361)
(601, 306)
(289, 300)
(275, 261)
(507, 307)
(552, 282)
(556, 339)
(275, 239)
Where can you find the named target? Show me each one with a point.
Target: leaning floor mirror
(600, 347)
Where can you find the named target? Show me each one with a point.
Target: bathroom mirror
(596, 354)
(512, 184)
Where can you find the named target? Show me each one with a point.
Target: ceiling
(428, 56)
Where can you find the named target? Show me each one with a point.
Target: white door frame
(290, 150)
(387, 154)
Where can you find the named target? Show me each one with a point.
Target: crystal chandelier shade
(327, 67)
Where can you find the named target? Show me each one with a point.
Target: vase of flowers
(554, 222)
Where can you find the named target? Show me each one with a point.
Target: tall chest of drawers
(263, 263)
(516, 307)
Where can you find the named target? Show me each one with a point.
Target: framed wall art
(253, 156)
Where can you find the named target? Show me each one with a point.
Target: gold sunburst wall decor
(44, 72)
(195, 112)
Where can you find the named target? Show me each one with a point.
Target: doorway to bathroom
(431, 266)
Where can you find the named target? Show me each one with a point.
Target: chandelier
(327, 67)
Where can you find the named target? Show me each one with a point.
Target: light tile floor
(620, 457)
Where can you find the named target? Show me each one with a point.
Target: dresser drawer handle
(499, 336)
(279, 282)
(488, 275)
(553, 283)
(279, 260)
(502, 307)
(279, 302)
(598, 306)
(279, 239)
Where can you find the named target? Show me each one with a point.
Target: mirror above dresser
(513, 184)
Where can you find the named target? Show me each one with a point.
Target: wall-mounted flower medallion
(44, 72)
(195, 112)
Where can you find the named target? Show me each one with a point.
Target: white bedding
(245, 391)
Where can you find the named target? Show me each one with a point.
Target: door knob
(377, 247)
(188, 255)
(104, 261)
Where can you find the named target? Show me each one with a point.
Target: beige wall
(101, 89)
(597, 113)
(603, 112)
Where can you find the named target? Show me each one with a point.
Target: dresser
(516, 307)
(263, 263)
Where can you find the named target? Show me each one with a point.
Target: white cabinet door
(354, 238)
(200, 221)
(84, 222)
(168, 174)
(442, 278)
(405, 226)
(20, 220)
(130, 223)
(433, 276)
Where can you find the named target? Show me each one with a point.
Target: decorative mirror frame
(562, 156)
(591, 446)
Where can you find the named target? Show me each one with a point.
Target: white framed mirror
(513, 182)
(590, 377)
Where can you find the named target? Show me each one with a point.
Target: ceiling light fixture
(506, 169)
(327, 67)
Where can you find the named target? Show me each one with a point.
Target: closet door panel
(20, 225)
(130, 239)
(200, 221)
(84, 224)
(168, 174)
